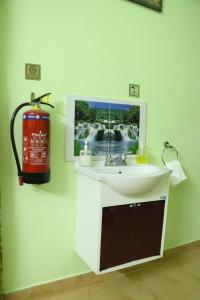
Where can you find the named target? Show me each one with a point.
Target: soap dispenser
(85, 156)
(141, 156)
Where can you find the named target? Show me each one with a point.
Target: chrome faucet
(109, 160)
(119, 160)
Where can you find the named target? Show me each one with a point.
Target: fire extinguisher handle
(47, 104)
(39, 100)
(12, 137)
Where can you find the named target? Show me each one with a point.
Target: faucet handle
(109, 159)
(124, 155)
(109, 156)
(128, 152)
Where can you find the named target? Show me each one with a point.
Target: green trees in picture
(83, 113)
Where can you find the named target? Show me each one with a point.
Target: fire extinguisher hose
(20, 173)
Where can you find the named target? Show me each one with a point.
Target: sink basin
(126, 180)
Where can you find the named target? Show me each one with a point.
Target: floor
(172, 279)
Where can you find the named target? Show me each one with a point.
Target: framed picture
(154, 4)
(109, 125)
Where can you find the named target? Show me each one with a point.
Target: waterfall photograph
(107, 127)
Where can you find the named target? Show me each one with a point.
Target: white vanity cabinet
(115, 231)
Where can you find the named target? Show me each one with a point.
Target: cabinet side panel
(88, 220)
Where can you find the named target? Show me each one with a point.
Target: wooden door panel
(148, 224)
(117, 227)
(130, 232)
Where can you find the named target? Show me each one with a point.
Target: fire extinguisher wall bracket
(35, 143)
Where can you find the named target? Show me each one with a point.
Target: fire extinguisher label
(35, 149)
(35, 117)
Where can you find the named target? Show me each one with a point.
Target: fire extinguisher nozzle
(21, 181)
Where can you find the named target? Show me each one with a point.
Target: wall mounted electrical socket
(134, 90)
(33, 71)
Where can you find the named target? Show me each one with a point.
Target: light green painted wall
(94, 48)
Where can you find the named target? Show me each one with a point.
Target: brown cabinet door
(131, 232)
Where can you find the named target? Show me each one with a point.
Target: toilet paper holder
(168, 146)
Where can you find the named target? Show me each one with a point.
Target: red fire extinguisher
(35, 143)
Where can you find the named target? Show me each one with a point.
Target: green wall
(93, 48)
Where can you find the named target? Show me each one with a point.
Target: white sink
(126, 180)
